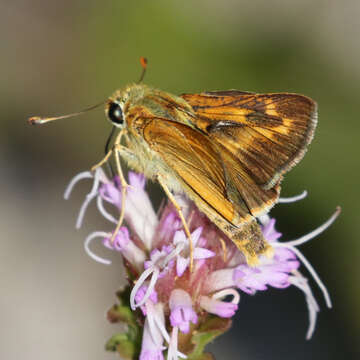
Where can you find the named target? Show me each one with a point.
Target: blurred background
(62, 56)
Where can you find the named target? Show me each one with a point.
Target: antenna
(143, 63)
(39, 120)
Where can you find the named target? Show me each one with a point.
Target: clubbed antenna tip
(35, 120)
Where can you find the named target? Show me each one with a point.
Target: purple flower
(269, 231)
(250, 280)
(152, 342)
(157, 254)
(182, 312)
(139, 213)
(218, 307)
(129, 250)
(140, 295)
(183, 257)
(273, 271)
(156, 267)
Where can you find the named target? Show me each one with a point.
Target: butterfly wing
(207, 173)
(203, 174)
(195, 163)
(258, 136)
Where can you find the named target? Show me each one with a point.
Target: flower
(273, 272)
(181, 310)
(174, 300)
(152, 342)
(221, 308)
(183, 258)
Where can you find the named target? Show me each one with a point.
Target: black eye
(115, 113)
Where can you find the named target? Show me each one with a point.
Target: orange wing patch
(267, 133)
(194, 160)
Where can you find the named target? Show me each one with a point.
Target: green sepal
(128, 343)
(124, 343)
(207, 332)
(122, 312)
(206, 356)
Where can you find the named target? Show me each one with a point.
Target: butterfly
(226, 150)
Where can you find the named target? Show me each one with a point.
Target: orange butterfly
(227, 150)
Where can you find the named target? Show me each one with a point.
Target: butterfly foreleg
(109, 153)
(118, 148)
(103, 161)
(182, 218)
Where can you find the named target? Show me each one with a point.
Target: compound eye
(115, 113)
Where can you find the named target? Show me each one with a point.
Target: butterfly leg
(181, 215)
(103, 161)
(116, 148)
(224, 249)
(124, 185)
(108, 154)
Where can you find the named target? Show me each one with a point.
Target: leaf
(128, 343)
(207, 332)
(206, 356)
(122, 312)
(119, 313)
(126, 347)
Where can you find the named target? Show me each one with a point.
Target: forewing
(197, 164)
(266, 133)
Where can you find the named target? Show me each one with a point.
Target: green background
(61, 56)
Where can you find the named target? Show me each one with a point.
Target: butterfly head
(121, 100)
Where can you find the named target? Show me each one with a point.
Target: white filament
(87, 242)
(74, 181)
(286, 200)
(223, 293)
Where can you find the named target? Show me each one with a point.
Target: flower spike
(157, 259)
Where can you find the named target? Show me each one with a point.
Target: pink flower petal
(181, 265)
(201, 253)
